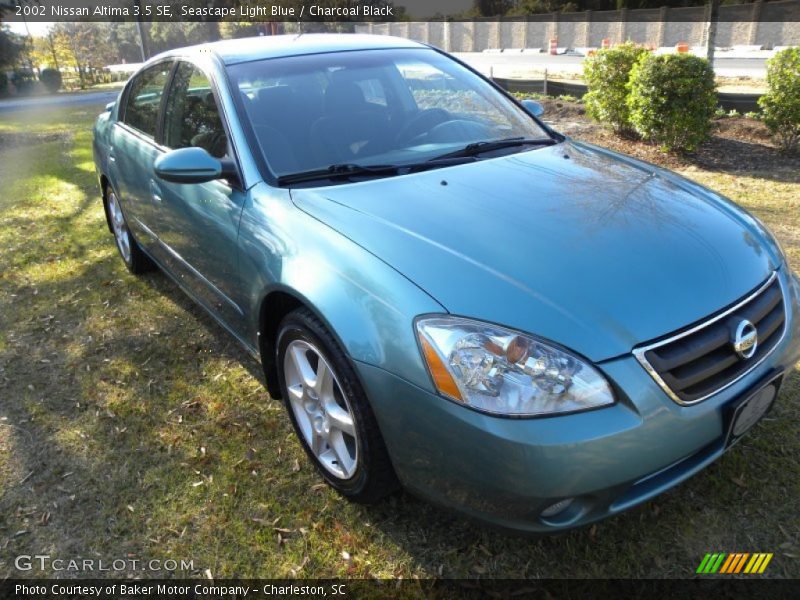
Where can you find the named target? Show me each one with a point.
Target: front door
(199, 223)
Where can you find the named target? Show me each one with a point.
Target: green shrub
(753, 114)
(606, 75)
(781, 103)
(3, 83)
(672, 100)
(51, 79)
(24, 80)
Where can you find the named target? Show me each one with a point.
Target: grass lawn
(131, 426)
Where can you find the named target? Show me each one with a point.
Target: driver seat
(349, 129)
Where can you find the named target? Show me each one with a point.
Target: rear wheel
(330, 412)
(135, 258)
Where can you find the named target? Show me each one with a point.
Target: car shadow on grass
(738, 157)
(83, 413)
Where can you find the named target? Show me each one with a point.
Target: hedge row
(669, 99)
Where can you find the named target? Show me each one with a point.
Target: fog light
(558, 507)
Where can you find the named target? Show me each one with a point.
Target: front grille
(692, 365)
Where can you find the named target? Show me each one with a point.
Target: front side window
(372, 108)
(144, 98)
(192, 117)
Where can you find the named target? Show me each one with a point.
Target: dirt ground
(737, 144)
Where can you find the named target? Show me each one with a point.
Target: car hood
(574, 243)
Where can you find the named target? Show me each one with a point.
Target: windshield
(372, 108)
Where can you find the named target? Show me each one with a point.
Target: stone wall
(760, 23)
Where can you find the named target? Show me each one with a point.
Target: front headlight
(500, 371)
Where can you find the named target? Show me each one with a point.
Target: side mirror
(110, 106)
(533, 107)
(188, 165)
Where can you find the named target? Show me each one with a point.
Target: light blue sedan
(447, 294)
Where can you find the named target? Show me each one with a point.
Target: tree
(124, 39)
(237, 29)
(84, 46)
(168, 35)
(12, 47)
(492, 8)
(711, 29)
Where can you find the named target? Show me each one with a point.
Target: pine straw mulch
(737, 144)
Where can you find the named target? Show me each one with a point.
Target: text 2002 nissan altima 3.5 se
(447, 294)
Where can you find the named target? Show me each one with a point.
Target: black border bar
(709, 587)
(363, 11)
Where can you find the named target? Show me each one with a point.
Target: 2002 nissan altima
(447, 294)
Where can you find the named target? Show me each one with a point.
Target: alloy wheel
(321, 409)
(121, 233)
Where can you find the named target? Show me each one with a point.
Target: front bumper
(507, 471)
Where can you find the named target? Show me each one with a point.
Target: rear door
(199, 223)
(134, 151)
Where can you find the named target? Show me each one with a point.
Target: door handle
(155, 190)
(111, 157)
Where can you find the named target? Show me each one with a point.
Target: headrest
(272, 102)
(343, 96)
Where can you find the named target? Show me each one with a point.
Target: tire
(134, 257)
(330, 413)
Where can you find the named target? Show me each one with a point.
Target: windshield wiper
(344, 170)
(349, 170)
(476, 148)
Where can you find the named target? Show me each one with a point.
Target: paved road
(77, 99)
(519, 65)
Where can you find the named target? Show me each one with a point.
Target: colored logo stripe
(711, 563)
(703, 563)
(727, 564)
(758, 563)
(736, 562)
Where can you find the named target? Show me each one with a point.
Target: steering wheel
(458, 130)
(421, 122)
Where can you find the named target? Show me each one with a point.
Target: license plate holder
(742, 415)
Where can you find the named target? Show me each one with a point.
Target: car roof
(276, 46)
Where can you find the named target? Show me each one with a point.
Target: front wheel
(330, 412)
(135, 258)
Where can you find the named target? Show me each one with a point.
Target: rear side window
(144, 98)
